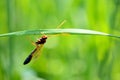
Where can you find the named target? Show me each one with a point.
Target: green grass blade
(58, 31)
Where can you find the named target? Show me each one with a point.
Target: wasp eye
(45, 37)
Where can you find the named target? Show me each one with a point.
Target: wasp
(39, 44)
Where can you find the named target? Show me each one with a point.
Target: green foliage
(57, 31)
(64, 57)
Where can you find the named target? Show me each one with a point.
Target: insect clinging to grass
(39, 44)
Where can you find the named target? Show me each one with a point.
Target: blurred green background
(68, 57)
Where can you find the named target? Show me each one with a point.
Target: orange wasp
(39, 44)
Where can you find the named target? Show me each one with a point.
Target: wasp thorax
(42, 40)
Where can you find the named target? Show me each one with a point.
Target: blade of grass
(58, 31)
(10, 23)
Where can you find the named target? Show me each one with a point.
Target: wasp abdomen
(28, 59)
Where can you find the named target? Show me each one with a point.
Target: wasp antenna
(61, 24)
(42, 33)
